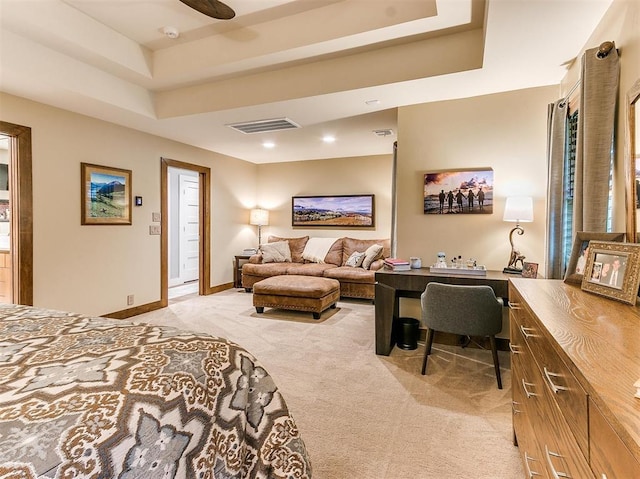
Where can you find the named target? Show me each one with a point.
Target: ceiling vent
(262, 126)
(385, 132)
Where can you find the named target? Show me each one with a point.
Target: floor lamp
(520, 210)
(259, 218)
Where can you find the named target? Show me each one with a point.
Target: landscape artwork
(334, 211)
(106, 195)
(458, 192)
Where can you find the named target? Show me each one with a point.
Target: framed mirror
(632, 156)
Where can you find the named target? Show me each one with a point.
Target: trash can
(407, 333)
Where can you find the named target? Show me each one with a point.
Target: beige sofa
(355, 282)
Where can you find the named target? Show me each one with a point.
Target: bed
(95, 397)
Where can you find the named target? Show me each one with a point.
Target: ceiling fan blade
(211, 8)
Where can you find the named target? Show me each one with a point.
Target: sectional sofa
(355, 281)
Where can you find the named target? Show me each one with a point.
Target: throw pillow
(373, 253)
(355, 260)
(277, 252)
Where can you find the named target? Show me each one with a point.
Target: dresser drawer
(609, 457)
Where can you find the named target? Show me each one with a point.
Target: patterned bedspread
(102, 398)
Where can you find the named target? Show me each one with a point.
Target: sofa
(355, 281)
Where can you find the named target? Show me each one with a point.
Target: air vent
(261, 126)
(386, 132)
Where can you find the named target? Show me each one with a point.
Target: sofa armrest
(256, 258)
(376, 265)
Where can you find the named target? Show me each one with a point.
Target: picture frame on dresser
(580, 253)
(613, 270)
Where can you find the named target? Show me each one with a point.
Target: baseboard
(217, 289)
(127, 313)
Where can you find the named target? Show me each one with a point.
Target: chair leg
(496, 363)
(427, 350)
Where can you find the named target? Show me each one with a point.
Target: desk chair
(463, 310)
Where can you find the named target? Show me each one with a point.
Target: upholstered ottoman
(300, 293)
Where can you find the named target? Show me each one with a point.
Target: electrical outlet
(154, 229)
(129, 300)
(155, 217)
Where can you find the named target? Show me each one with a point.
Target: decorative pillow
(296, 245)
(355, 260)
(373, 253)
(277, 252)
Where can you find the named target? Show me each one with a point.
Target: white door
(189, 228)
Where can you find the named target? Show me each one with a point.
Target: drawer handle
(527, 332)
(554, 387)
(530, 473)
(513, 305)
(514, 349)
(556, 474)
(514, 408)
(526, 391)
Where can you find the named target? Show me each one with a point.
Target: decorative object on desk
(475, 271)
(415, 262)
(580, 253)
(106, 195)
(613, 270)
(458, 191)
(441, 261)
(338, 211)
(259, 217)
(529, 270)
(520, 210)
(397, 264)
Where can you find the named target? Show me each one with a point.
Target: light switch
(154, 229)
(155, 217)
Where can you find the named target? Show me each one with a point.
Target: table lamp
(259, 217)
(520, 210)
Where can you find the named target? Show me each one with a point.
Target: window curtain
(556, 143)
(594, 154)
(596, 119)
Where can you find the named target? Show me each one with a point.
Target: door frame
(21, 194)
(204, 260)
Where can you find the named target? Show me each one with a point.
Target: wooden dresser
(575, 358)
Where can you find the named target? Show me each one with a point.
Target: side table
(240, 259)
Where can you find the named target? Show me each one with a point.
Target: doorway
(185, 229)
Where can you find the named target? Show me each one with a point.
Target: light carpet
(364, 416)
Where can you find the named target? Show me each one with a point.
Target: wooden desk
(390, 285)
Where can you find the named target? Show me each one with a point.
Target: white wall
(92, 269)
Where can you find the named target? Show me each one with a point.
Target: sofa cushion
(373, 253)
(351, 275)
(351, 245)
(355, 260)
(316, 249)
(296, 245)
(334, 256)
(276, 252)
(309, 269)
(265, 270)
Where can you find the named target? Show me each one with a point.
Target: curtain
(596, 120)
(556, 142)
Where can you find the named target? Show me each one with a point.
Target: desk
(391, 285)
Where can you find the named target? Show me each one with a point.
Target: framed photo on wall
(343, 211)
(468, 191)
(106, 195)
(613, 270)
(580, 253)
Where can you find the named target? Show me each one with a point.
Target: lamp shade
(518, 209)
(259, 217)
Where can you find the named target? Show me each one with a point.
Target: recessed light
(372, 102)
(269, 144)
(328, 139)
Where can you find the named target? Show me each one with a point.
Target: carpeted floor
(364, 416)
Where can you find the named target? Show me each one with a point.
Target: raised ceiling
(317, 63)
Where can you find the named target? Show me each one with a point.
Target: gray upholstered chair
(464, 310)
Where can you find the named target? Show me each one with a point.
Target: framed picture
(458, 192)
(345, 211)
(580, 253)
(529, 270)
(106, 195)
(613, 270)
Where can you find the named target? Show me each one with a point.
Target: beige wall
(506, 132)
(92, 269)
(621, 24)
(278, 182)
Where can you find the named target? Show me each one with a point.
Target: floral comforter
(102, 398)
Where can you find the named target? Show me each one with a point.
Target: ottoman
(296, 292)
